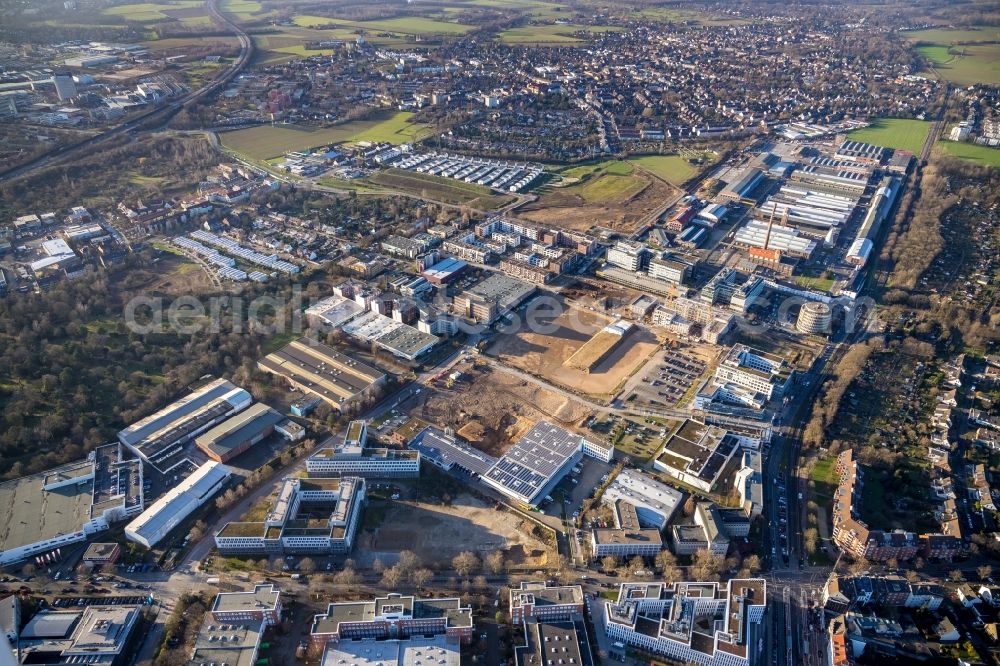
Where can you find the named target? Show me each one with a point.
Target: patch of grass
(440, 189)
(981, 155)
(611, 188)
(672, 168)
(894, 133)
(266, 141)
(816, 281)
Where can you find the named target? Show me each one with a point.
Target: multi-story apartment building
(854, 537)
(393, 616)
(545, 602)
(699, 623)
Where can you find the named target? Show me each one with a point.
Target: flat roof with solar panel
(536, 462)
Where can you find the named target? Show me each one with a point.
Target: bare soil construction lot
(544, 353)
(437, 533)
(491, 409)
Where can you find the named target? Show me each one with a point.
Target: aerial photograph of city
(499, 332)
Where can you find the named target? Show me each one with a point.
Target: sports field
(982, 155)
(895, 133)
(545, 35)
(965, 57)
(672, 168)
(267, 141)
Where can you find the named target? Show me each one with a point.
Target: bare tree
(495, 562)
(348, 577)
(465, 563)
(306, 565)
(984, 571)
(422, 576)
(391, 578)
(408, 561)
(665, 560)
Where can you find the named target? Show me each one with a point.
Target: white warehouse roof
(177, 504)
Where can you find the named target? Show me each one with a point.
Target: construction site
(491, 407)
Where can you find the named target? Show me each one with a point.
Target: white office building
(688, 622)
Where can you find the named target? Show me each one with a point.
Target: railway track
(148, 120)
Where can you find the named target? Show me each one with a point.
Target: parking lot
(668, 380)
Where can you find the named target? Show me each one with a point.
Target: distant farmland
(267, 141)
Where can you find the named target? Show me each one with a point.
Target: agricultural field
(148, 12)
(440, 189)
(611, 194)
(550, 35)
(981, 155)
(267, 141)
(894, 133)
(965, 57)
(409, 25)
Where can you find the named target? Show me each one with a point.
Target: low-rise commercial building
(262, 604)
(392, 616)
(159, 438)
(51, 509)
(353, 457)
(537, 461)
(320, 369)
(541, 601)
(238, 433)
(100, 635)
(627, 538)
(166, 513)
(698, 454)
(756, 370)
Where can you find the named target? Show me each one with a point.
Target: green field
(550, 34)
(611, 167)
(267, 141)
(895, 133)
(965, 57)
(148, 11)
(410, 25)
(437, 188)
(241, 9)
(672, 168)
(982, 155)
(609, 188)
